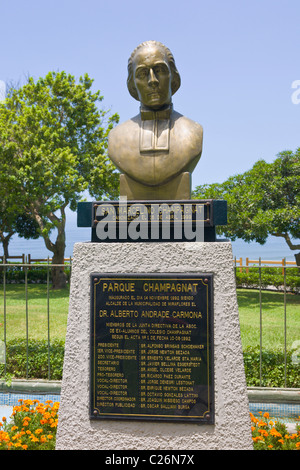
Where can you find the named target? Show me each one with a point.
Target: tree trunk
(5, 242)
(59, 278)
(291, 245)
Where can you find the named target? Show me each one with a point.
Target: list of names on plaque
(151, 347)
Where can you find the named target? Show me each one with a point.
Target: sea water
(274, 249)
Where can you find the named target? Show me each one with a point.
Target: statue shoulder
(123, 140)
(119, 132)
(188, 124)
(187, 133)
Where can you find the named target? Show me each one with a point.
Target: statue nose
(152, 79)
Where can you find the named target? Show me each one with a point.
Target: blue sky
(237, 60)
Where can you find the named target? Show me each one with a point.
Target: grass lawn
(272, 318)
(37, 312)
(248, 300)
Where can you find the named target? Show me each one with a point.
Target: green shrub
(272, 363)
(16, 358)
(269, 277)
(35, 275)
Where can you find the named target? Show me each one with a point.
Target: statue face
(152, 77)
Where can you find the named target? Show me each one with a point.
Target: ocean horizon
(275, 248)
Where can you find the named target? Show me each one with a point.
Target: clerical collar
(148, 114)
(155, 130)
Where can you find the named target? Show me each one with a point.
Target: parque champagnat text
(151, 347)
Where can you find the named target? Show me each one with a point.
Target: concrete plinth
(232, 428)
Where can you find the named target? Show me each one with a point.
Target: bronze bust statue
(157, 150)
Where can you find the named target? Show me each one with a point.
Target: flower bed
(33, 426)
(271, 434)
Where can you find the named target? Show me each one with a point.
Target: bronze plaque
(152, 347)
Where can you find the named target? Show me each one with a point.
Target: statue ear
(175, 82)
(131, 88)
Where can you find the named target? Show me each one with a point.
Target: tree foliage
(12, 222)
(53, 147)
(262, 201)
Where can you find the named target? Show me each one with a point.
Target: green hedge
(16, 354)
(269, 277)
(272, 369)
(35, 275)
(272, 364)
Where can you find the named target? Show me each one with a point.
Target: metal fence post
(48, 318)
(4, 312)
(260, 326)
(26, 307)
(284, 300)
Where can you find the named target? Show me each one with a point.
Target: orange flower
(266, 415)
(253, 418)
(29, 402)
(262, 423)
(17, 444)
(263, 432)
(275, 433)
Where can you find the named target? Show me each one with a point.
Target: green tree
(262, 201)
(14, 223)
(53, 147)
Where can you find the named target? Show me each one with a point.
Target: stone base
(232, 428)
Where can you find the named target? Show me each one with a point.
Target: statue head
(152, 74)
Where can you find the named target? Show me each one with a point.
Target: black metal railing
(25, 267)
